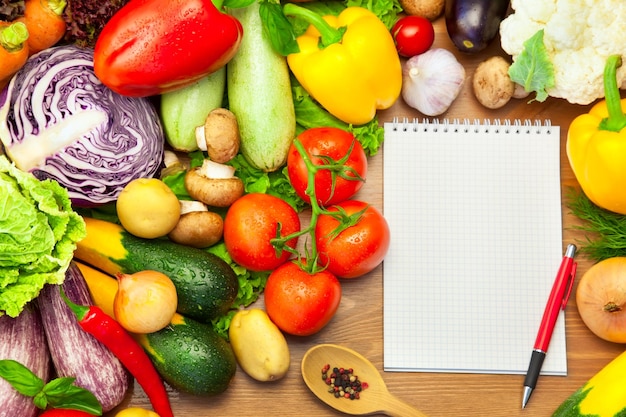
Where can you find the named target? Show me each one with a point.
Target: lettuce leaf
(251, 285)
(533, 68)
(386, 10)
(38, 235)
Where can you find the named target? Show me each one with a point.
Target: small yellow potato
(260, 347)
(148, 208)
(136, 412)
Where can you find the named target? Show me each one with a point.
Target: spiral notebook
(474, 209)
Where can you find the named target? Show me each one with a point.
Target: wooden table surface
(358, 323)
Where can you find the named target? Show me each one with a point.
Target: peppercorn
(343, 383)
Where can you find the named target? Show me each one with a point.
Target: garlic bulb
(431, 81)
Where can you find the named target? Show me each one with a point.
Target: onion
(145, 301)
(58, 121)
(601, 299)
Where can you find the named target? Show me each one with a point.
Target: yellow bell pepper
(596, 146)
(348, 63)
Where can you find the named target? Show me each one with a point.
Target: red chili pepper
(130, 353)
(153, 46)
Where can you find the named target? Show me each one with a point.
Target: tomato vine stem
(338, 168)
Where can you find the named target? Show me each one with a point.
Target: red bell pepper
(151, 47)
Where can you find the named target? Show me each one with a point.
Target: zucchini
(259, 94)
(191, 357)
(27, 346)
(205, 284)
(185, 109)
(604, 395)
(76, 353)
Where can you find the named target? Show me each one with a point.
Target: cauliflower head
(578, 37)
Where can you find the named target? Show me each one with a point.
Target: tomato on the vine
(250, 224)
(413, 35)
(301, 303)
(334, 143)
(357, 249)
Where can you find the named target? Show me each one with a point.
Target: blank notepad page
(476, 240)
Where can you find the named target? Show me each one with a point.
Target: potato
(260, 347)
(148, 208)
(492, 85)
(430, 9)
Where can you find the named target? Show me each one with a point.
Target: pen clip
(568, 292)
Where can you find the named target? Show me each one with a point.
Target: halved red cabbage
(58, 121)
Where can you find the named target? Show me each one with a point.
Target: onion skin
(601, 299)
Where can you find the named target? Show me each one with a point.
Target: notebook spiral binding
(506, 126)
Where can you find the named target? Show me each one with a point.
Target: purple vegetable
(76, 353)
(23, 340)
(59, 121)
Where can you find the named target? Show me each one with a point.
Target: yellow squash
(604, 395)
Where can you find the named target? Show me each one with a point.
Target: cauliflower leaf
(533, 68)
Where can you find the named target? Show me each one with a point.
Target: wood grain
(359, 320)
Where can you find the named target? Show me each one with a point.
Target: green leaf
(278, 29)
(275, 183)
(38, 235)
(605, 230)
(386, 10)
(533, 68)
(69, 396)
(236, 4)
(58, 386)
(20, 377)
(176, 182)
(58, 393)
(251, 285)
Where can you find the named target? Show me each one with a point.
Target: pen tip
(526, 397)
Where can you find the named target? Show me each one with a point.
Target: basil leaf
(58, 386)
(278, 29)
(58, 393)
(75, 398)
(20, 377)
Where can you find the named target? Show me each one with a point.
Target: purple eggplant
(23, 340)
(473, 24)
(75, 352)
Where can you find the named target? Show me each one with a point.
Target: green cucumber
(205, 284)
(191, 357)
(259, 94)
(185, 109)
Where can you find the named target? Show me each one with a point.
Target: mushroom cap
(199, 229)
(216, 192)
(221, 133)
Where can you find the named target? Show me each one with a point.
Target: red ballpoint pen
(557, 301)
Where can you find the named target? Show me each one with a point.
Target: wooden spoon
(375, 399)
